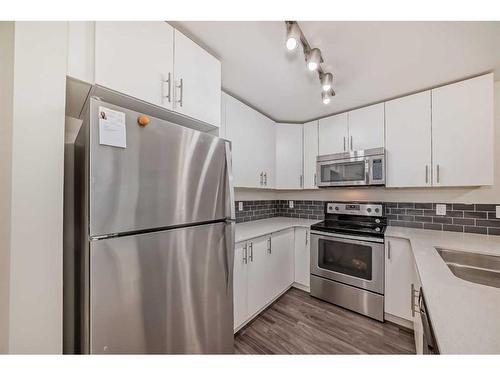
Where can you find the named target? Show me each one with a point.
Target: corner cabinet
(253, 139)
(263, 270)
(289, 174)
(310, 151)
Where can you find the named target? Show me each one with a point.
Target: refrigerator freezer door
(167, 175)
(163, 292)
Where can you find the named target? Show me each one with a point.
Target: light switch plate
(240, 206)
(498, 212)
(440, 209)
(290, 204)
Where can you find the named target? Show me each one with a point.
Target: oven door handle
(349, 237)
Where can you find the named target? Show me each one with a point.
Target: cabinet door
(289, 156)
(265, 149)
(243, 134)
(302, 256)
(197, 80)
(366, 127)
(333, 134)
(408, 141)
(136, 58)
(462, 133)
(259, 288)
(310, 151)
(399, 275)
(240, 283)
(282, 257)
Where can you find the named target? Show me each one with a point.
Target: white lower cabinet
(263, 270)
(402, 285)
(240, 282)
(399, 271)
(302, 257)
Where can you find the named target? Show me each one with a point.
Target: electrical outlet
(498, 212)
(290, 204)
(240, 206)
(440, 209)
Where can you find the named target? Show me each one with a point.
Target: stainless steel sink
(477, 268)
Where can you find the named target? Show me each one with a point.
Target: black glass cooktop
(351, 227)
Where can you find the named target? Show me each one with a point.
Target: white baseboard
(305, 288)
(399, 321)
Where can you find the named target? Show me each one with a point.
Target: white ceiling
(370, 61)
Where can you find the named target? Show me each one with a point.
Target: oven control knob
(376, 210)
(336, 208)
(377, 229)
(369, 210)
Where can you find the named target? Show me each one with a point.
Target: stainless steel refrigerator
(149, 258)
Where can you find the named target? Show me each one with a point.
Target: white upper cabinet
(197, 76)
(462, 133)
(408, 141)
(136, 58)
(310, 149)
(289, 156)
(366, 127)
(252, 136)
(333, 133)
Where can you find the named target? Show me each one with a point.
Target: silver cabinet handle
(351, 142)
(265, 178)
(245, 253)
(181, 91)
(389, 250)
(307, 235)
(301, 181)
(169, 82)
(315, 184)
(437, 173)
(414, 293)
(269, 246)
(426, 174)
(344, 143)
(261, 178)
(251, 252)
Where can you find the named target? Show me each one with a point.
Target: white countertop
(257, 228)
(465, 316)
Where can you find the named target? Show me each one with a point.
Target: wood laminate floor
(300, 324)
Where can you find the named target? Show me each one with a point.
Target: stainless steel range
(347, 257)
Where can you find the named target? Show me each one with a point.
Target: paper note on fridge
(112, 130)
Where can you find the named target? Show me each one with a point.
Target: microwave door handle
(368, 171)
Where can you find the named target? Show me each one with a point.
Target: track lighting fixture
(326, 81)
(326, 97)
(294, 37)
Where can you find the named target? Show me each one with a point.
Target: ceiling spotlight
(326, 81)
(313, 59)
(292, 36)
(326, 96)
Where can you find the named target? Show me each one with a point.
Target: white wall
(484, 194)
(37, 187)
(6, 82)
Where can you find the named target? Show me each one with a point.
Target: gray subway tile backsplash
(460, 217)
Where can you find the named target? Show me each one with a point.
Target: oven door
(349, 260)
(343, 172)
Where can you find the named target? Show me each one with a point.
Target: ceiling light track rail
(313, 57)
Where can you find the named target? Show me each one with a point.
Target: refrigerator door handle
(229, 258)
(229, 171)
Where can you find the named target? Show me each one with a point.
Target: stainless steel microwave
(365, 167)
